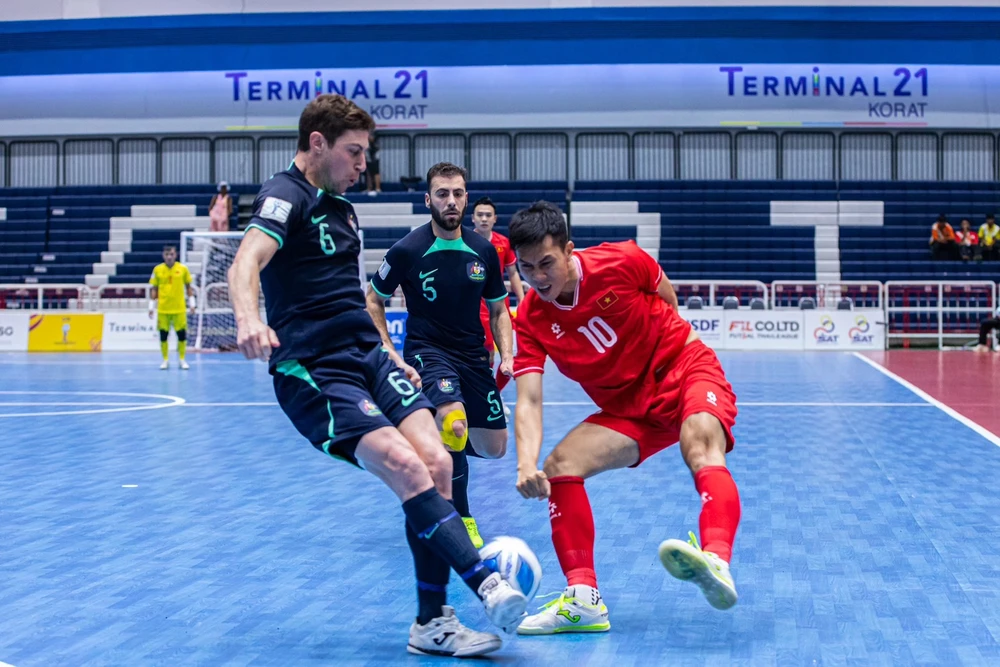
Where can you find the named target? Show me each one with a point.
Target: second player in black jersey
(445, 272)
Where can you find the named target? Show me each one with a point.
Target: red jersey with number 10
(616, 340)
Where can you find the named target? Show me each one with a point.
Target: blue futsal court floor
(171, 518)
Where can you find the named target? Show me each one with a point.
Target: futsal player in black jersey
(446, 271)
(335, 381)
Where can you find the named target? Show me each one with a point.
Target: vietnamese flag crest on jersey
(609, 299)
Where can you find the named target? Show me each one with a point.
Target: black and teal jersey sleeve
(388, 277)
(444, 282)
(279, 204)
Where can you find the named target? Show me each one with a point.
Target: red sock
(720, 510)
(573, 530)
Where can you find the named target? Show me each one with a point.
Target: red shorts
(694, 383)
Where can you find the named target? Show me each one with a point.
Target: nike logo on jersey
(316, 220)
(424, 275)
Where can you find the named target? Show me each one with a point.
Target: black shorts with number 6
(335, 399)
(447, 379)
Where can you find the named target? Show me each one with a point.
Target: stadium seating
(721, 229)
(898, 250)
(707, 229)
(58, 235)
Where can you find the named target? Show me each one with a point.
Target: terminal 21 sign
(516, 97)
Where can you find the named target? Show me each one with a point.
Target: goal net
(208, 255)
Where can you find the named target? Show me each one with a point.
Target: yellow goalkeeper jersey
(171, 286)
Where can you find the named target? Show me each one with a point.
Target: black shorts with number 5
(335, 399)
(447, 379)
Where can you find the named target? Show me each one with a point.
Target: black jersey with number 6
(311, 286)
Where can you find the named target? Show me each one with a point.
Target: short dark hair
(942, 218)
(169, 247)
(990, 216)
(531, 225)
(446, 169)
(331, 116)
(484, 201)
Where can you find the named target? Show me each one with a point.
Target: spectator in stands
(968, 242)
(989, 238)
(220, 209)
(942, 241)
(372, 175)
(985, 328)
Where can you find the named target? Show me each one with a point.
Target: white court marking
(740, 404)
(951, 412)
(168, 402)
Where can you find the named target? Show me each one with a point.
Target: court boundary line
(751, 404)
(943, 407)
(133, 407)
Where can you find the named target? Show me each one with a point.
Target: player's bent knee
(439, 465)
(182, 335)
(491, 444)
(164, 335)
(403, 464)
(559, 464)
(454, 430)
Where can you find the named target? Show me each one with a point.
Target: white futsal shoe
(184, 366)
(165, 365)
(504, 605)
(577, 609)
(445, 636)
(687, 562)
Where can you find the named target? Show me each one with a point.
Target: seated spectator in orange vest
(942, 241)
(989, 238)
(968, 242)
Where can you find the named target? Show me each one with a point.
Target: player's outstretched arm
(254, 338)
(502, 333)
(375, 304)
(531, 482)
(667, 293)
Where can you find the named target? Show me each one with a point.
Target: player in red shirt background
(607, 317)
(484, 217)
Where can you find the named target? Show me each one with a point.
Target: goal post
(208, 255)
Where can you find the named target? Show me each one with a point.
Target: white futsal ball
(516, 563)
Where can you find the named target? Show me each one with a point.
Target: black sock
(432, 578)
(440, 527)
(460, 482)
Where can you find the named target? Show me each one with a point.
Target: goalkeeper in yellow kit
(171, 280)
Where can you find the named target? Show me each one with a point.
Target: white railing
(941, 310)
(945, 311)
(788, 294)
(116, 297)
(40, 296)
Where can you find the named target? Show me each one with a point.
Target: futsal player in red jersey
(484, 217)
(607, 317)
